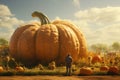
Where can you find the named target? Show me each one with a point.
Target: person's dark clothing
(68, 61)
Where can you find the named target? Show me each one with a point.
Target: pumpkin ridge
(35, 37)
(53, 33)
(14, 40)
(81, 38)
(48, 40)
(59, 47)
(67, 41)
(27, 38)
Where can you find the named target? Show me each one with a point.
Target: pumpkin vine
(44, 19)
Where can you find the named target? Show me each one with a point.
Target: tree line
(100, 47)
(3, 42)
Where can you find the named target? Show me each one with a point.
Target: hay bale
(52, 65)
(74, 68)
(40, 66)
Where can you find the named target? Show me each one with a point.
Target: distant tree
(3, 41)
(98, 48)
(5, 51)
(93, 47)
(103, 47)
(116, 46)
(4, 48)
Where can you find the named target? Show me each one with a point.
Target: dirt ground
(59, 77)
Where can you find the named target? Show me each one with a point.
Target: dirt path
(59, 77)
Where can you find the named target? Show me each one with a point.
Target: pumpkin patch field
(38, 49)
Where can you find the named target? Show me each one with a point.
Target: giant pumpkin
(49, 41)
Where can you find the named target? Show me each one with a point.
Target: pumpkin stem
(44, 19)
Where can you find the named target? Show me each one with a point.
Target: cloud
(4, 11)
(7, 22)
(76, 3)
(99, 25)
(100, 15)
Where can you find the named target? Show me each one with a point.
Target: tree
(93, 47)
(98, 48)
(4, 48)
(3, 41)
(116, 46)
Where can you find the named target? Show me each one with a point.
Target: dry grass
(58, 71)
(35, 71)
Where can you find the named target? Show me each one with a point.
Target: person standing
(68, 61)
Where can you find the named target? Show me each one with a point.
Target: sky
(99, 20)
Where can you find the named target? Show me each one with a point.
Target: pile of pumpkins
(98, 59)
(109, 70)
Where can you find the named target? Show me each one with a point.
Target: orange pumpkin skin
(1, 69)
(86, 71)
(104, 68)
(96, 59)
(19, 69)
(113, 70)
(34, 43)
(23, 49)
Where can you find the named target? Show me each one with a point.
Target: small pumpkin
(36, 43)
(113, 70)
(19, 69)
(96, 58)
(86, 71)
(104, 68)
(1, 69)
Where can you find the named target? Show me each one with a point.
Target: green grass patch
(7, 73)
